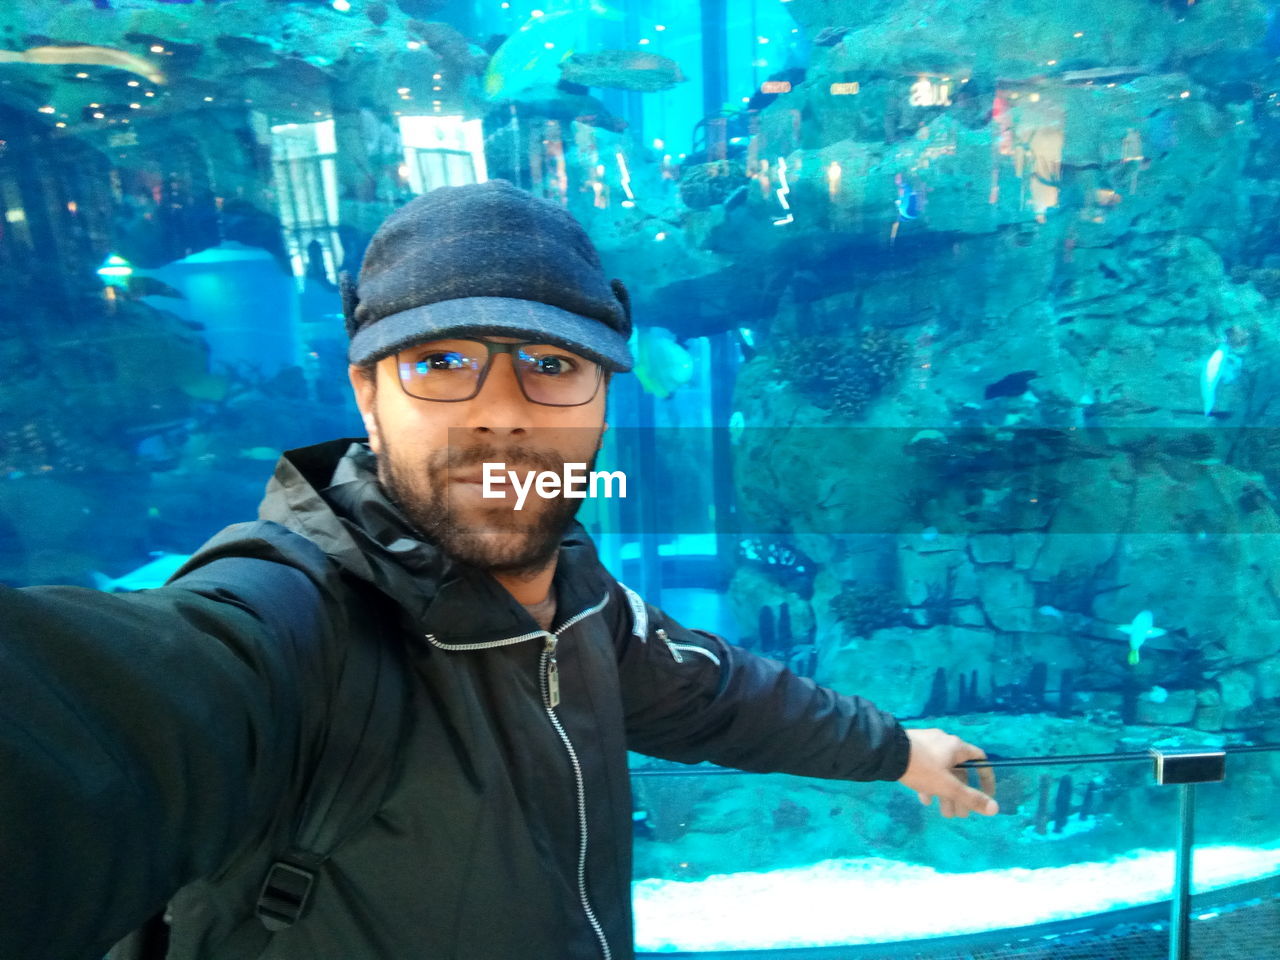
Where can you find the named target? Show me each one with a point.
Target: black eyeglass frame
(495, 347)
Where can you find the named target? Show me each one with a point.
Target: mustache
(457, 458)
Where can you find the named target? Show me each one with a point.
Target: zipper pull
(675, 654)
(553, 672)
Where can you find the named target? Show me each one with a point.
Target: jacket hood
(330, 493)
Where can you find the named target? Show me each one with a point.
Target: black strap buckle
(284, 895)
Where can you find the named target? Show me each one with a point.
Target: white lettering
(608, 482)
(548, 484)
(492, 475)
(521, 491)
(575, 483)
(573, 474)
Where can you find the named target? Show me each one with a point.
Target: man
(155, 747)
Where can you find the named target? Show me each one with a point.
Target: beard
(495, 538)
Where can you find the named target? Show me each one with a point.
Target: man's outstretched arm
(144, 740)
(691, 696)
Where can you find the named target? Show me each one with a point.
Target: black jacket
(153, 745)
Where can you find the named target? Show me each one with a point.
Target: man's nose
(500, 406)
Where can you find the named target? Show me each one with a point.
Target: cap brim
(492, 316)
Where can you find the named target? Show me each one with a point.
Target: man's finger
(979, 801)
(986, 775)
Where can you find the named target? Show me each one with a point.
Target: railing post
(1180, 903)
(1185, 770)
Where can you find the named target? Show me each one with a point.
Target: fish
(622, 70)
(737, 424)
(920, 436)
(525, 60)
(1140, 630)
(661, 365)
(908, 201)
(1209, 377)
(147, 577)
(1013, 385)
(1157, 694)
(1223, 366)
(86, 55)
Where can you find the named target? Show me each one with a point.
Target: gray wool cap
(485, 259)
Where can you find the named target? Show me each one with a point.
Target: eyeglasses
(454, 370)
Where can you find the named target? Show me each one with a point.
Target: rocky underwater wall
(1011, 392)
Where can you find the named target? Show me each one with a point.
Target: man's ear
(366, 394)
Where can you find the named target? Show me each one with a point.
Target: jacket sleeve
(145, 740)
(691, 696)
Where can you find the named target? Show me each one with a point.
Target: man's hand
(931, 772)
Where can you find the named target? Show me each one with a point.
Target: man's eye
(440, 361)
(547, 363)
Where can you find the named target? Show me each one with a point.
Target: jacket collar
(329, 492)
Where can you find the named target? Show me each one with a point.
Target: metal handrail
(993, 760)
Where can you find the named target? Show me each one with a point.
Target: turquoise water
(958, 349)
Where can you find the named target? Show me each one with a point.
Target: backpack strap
(357, 762)
(360, 753)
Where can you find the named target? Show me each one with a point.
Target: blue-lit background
(958, 352)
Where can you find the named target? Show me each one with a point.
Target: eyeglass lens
(450, 370)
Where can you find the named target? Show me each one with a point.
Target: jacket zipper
(549, 681)
(675, 648)
(662, 635)
(551, 699)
